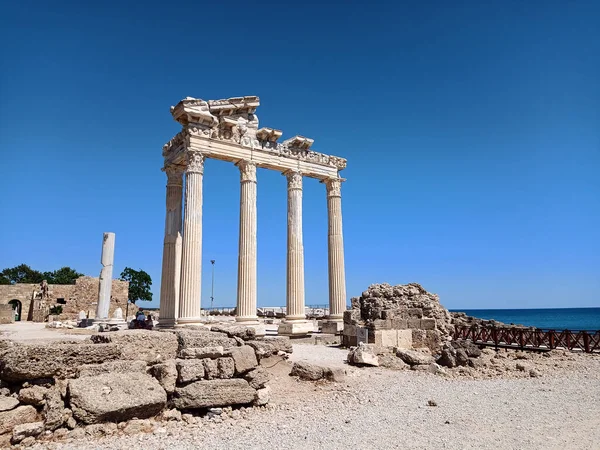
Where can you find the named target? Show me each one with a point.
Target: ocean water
(556, 319)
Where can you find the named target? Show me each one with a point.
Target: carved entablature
(234, 121)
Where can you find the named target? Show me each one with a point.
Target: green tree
(139, 284)
(22, 274)
(4, 280)
(64, 275)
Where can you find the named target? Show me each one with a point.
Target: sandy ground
(33, 331)
(382, 408)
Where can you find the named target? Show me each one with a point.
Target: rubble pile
(48, 389)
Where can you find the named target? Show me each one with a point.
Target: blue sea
(556, 319)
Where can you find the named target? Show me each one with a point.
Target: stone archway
(18, 306)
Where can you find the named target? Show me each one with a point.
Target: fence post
(586, 342)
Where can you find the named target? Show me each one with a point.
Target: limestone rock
(257, 378)
(198, 338)
(262, 396)
(414, 358)
(307, 371)
(33, 361)
(189, 370)
(363, 355)
(145, 345)
(25, 430)
(335, 374)
(33, 395)
(98, 430)
(8, 403)
(269, 346)
(166, 374)
(242, 332)
(171, 414)
(17, 416)
(116, 397)
(92, 370)
(213, 393)
(447, 357)
(55, 414)
(244, 358)
(137, 426)
(203, 352)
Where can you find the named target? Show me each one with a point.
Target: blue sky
(471, 129)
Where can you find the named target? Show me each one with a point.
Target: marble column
(337, 273)
(171, 264)
(246, 290)
(295, 319)
(191, 251)
(107, 260)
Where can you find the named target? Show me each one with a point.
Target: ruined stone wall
(405, 316)
(7, 314)
(81, 296)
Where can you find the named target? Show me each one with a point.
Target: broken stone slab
(199, 338)
(8, 403)
(17, 416)
(307, 371)
(25, 430)
(34, 395)
(145, 345)
(189, 370)
(115, 397)
(204, 352)
(218, 368)
(262, 396)
(242, 332)
(244, 358)
(413, 358)
(257, 378)
(363, 355)
(92, 370)
(213, 393)
(166, 374)
(33, 361)
(55, 413)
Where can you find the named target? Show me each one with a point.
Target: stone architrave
(337, 273)
(191, 252)
(246, 291)
(171, 267)
(108, 256)
(295, 319)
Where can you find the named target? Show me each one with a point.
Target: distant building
(28, 302)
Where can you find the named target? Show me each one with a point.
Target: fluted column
(246, 290)
(337, 273)
(191, 252)
(295, 249)
(171, 264)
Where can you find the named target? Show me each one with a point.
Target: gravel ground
(382, 408)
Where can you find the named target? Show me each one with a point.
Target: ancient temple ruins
(228, 130)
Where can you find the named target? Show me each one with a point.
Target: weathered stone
(55, 414)
(447, 357)
(166, 374)
(92, 370)
(242, 332)
(138, 426)
(244, 358)
(335, 374)
(101, 429)
(171, 414)
(472, 350)
(281, 343)
(262, 396)
(211, 370)
(25, 430)
(8, 403)
(363, 355)
(203, 352)
(116, 397)
(427, 324)
(60, 434)
(212, 393)
(144, 345)
(351, 316)
(225, 367)
(404, 339)
(257, 378)
(414, 323)
(33, 361)
(262, 348)
(399, 323)
(33, 395)
(307, 371)
(189, 370)
(413, 358)
(17, 416)
(462, 358)
(199, 338)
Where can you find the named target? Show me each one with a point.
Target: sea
(554, 319)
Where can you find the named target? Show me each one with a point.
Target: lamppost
(212, 289)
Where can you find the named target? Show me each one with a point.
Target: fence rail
(531, 339)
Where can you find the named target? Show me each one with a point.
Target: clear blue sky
(471, 129)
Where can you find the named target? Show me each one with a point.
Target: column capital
(195, 162)
(174, 175)
(334, 186)
(247, 170)
(294, 179)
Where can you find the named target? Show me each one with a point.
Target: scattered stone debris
(431, 403)
(363, 355)
(313, 372)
